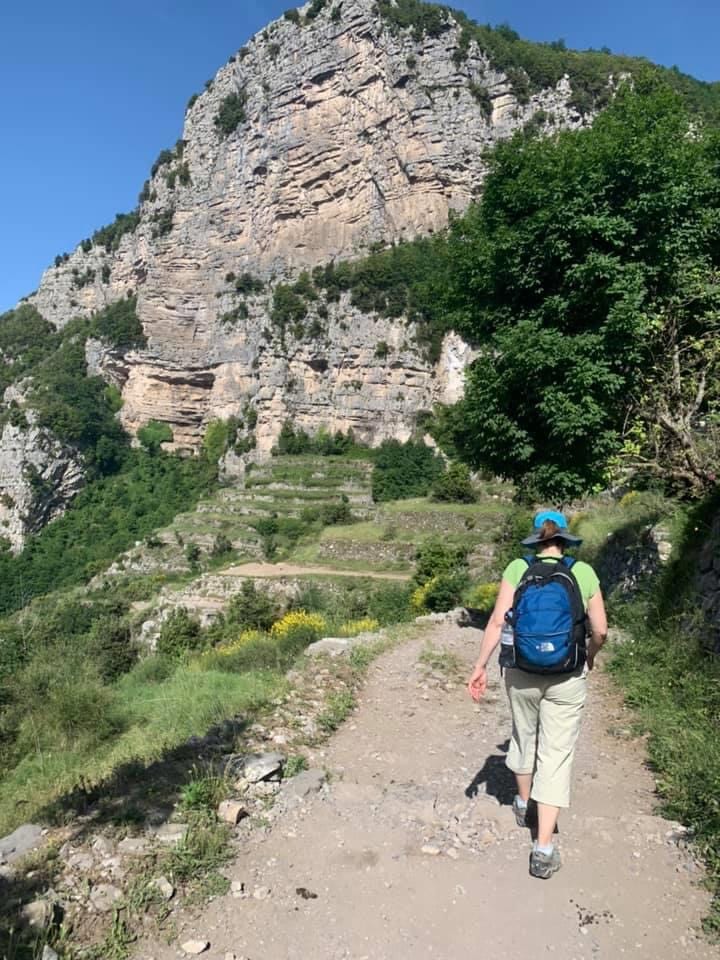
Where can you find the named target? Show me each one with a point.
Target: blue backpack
(548, 618)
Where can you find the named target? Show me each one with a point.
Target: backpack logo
(548, 617)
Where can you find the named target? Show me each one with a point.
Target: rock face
(38, 478)
(352, 135)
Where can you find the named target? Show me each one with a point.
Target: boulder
(254, 767)
(104, 896)
(26, 838)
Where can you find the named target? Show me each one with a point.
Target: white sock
(546, 850)
(519, 802)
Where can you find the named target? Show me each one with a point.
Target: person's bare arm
(598, 627)
(477, 684)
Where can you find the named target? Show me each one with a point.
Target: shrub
(118, 324)
(440, 593)
(454, 485)
(163, 221)
(165, 157)
(482, 96)
(288, 307)
(111, 235)
(222, 545)
(63, 704)
(219, 437)
(154, 434)
(298, 626)
(404, 470)
(180, 635)
(351, 628)
(231, 113)
(251, 608)
(316, 7)
(247, 284)
(292, 15)
(434, 558)
(192, 553)
(482, 597)
(382, 350)
(110, 647)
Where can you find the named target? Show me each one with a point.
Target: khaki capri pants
(546, 714)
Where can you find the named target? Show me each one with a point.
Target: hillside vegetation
(587, 277)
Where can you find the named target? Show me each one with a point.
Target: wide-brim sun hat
(563, 532)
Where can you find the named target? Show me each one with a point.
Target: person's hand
(477, 684)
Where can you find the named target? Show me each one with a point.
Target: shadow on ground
(498, 780)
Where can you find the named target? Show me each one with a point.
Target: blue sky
(91, 92)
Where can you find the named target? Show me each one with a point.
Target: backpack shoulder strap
(569, 562)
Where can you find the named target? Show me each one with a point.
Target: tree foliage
(588, 251)
(103, 520)
(231, 113)
(404, 470)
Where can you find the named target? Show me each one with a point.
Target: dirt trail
(294, 570)
(412, 849)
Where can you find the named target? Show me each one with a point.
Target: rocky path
(410, 850)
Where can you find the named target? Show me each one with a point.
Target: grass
(157, 718)
(674, 689)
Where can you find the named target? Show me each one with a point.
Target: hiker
(548, 600)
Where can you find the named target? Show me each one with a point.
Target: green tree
(154, 434)
(404, 470)
(577, 265)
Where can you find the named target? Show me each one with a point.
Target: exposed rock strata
(354, 135)
(38, 478)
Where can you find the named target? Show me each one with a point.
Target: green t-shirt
(584, 574)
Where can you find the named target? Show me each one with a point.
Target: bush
(222, 546)
(454, 486)
(298, 628)
(252, 608)
(219, 437)
(192, 553)
(316, 7)
(434, 558)
(442, 592)
(231, 113)
(404, 470)
(482, 597)
(154, 434)
(63, 704)
(180, 635)
(111, 235)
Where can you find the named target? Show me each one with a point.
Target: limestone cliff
(350, 135)
(325, 136)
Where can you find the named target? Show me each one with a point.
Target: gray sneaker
(544, 865)
(521, 813)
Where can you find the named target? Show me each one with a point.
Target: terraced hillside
(280, 527)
